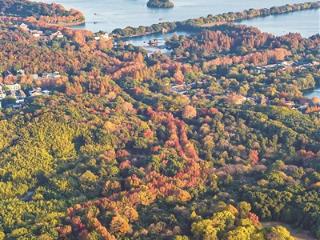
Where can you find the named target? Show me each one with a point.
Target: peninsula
(213, 20)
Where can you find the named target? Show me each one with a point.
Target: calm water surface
(107, 15)
(307, 23)
(313, 93)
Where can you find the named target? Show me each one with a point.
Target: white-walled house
(2, 95)
(12, 87)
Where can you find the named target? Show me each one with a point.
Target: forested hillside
(207, 142)
(41, 12)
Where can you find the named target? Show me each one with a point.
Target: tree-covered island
(160, 4)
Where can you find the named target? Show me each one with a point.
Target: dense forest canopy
(49, 13)
(210, 141)
(27, 9)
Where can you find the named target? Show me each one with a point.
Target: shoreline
(73, 24)
(209, 26)
(311, 91)
(213, 20)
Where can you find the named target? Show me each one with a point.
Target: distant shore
(212, 20)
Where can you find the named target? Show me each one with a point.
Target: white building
(2, 95)
(51, 75)
(37, 33)
(35, 92)
(46, 92)
(57, 34)
(12, 87)
(34, 76)
(24, 27)
(105, 36)
(21, 72)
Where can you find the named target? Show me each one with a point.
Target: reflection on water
(159, 38)
(107, 15)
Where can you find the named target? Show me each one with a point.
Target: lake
(107, 15)
(307, 23)
(143, 41)
(313, 93)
